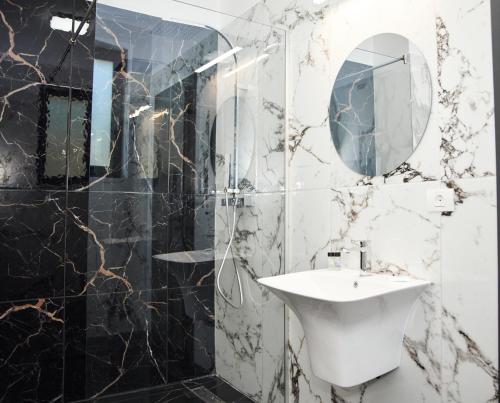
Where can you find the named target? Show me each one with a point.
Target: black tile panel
(31, 350)
(131, 241)
(33, 51)
(130, 320)
(31, 244)
(31, 48)
(110, 243)
(115, 343)
(83, 51)
(191, 337)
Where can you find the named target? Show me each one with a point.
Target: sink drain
(355, 284)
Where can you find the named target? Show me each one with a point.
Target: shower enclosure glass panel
(186, 102)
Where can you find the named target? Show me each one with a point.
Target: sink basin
(354, 326)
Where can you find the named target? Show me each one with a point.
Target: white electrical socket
(441, 200)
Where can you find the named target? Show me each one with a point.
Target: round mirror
(380, 104)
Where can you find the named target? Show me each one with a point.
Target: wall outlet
(441, 200)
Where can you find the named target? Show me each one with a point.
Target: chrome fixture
(364, 263)
(363, 247)
(405, 59)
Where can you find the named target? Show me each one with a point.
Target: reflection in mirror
(380, 104)
(223, 126)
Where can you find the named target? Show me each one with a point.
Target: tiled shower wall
(250, 340)
(87, 307)
(451, 344)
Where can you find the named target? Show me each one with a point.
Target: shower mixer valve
(237, 199)
(234, 201)
(231, 197)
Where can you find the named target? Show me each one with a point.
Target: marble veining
(82, 293)
(253, 332)
(93, 311)
(450, 353)
(466, 118)
(32, 350)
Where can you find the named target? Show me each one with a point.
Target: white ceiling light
(218, 59)
(66, 24)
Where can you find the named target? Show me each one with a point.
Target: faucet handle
(361, 246)
(364, 246)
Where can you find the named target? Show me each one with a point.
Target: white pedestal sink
(354, 326)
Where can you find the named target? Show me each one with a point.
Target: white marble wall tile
(249, 340)
(310, 155)
(311, 150)
(310, 146)
(261, 83)
(309, 230)
(450, 351)
(271, 236)
(303, 386)
(238, 338)
(403, 235)
(273, 355)
(321, 39)
(470, 296)
(238, 334)
(396, 387)
(465, 86)
(271, 241)
(404, 240)
(271, 117)
(238, 341)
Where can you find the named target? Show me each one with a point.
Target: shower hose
(221, 268)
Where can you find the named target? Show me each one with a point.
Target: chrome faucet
(364, 257)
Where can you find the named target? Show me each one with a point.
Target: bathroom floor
(201, 390)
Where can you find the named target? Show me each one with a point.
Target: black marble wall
(87, 307)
